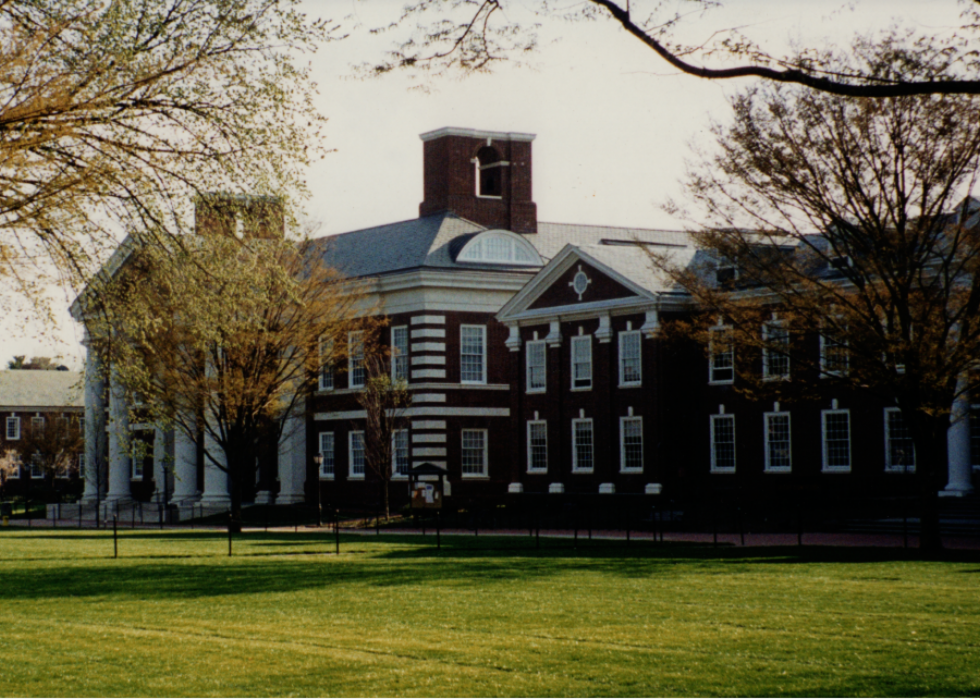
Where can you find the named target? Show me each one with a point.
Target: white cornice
(474, 133)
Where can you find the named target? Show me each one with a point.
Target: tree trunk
(233, 460)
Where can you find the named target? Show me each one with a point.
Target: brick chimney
(483, 176)
(238, 215)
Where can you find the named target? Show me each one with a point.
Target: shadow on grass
(280, 563)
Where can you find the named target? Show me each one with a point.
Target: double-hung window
(779, 457)
(775, 350)
(399, 353)
(356, 454)
(582, 361)
(583, 451)
(899, 450)
(81, 465)
(474, 453)
(328, 460)
(326, 366)
(399, 454)
(13, 428)
(834, 355)
(721, 356)
(355, 359)
(536, 366)
(631, 444)
(836, 429)
(137, 454)
(473, 353)
(723, 444)
(630, 372)
(537, 446)
(37, 466)
(37, 425)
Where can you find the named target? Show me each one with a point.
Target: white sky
(613, 121)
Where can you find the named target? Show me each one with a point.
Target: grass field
(174, 615)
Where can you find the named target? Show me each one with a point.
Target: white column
(159, 465)
(119, 443)
(958, 445)
(215, 479)
(292, 462)
(185, 469)
(94, 424)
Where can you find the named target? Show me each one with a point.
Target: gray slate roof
(23, 388)
(434, 241)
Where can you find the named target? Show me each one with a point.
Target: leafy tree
(221, 338)
(475, 35)
(847, 218)
(36, 363)
(385, 401)
(113, 114)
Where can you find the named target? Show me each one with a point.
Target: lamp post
(318, 460)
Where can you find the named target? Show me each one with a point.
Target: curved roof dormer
(499, 247)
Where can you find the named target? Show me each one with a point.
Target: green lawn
(175, 616)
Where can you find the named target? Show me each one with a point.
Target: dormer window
(500, 247)
(489, 166)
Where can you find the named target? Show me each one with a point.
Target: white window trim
(395, 476)
(769, 468)
(723, 469)
(575, 466)
(134, 458)
(581, 340)
(824, 371)
(351, 476)
(333, 456)
(354, 339)
(622, 444)
(326, 367)
(767, 352)
(35, 459)
(825, 468)
(483, 331)
(15, 420)
(544, 366)
(402, 357)
(711, 357)
(639, 359)
(889, 468)
(485, 472)
(530, 469)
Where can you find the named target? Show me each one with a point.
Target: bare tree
(385, 400)
(847, 220)
(222, 339)
(476, 35)
(51, 445)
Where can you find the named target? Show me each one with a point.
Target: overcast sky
(614, 123)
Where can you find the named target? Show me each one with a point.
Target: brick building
(532, 353)
(39, 408)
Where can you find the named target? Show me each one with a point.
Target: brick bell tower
(483, 176)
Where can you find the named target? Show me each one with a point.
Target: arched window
(490, 172)
(500, 247)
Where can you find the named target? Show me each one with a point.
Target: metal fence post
(115, 536)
